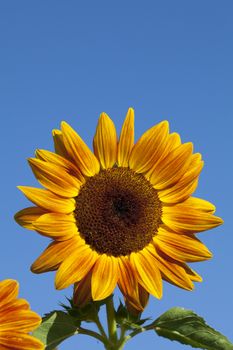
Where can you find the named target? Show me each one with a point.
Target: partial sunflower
(121, 215)
(16, 320)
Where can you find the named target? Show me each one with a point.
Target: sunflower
(16, 320)
(121, 215)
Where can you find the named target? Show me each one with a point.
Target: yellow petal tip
(103, 115)
(131, 110)
(32, 160)
(21, 188)
(56, 132)
(164, 125)
(64, 124)
(219, 220)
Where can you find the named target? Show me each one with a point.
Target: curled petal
(128, 283)
(143, 299)
(27, 216)
(82, 291)
(59, 146)
(193, 275)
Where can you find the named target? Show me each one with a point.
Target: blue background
(71, 60)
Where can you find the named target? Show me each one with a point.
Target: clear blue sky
(71, 60)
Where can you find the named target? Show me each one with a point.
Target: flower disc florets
(117, 211)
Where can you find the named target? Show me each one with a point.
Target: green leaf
(188, 328)
(55, 328)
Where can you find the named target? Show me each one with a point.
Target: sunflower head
(121, 215)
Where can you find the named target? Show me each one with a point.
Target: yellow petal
(126, 140)
(172, 168)
(59, 144)
(75, 267)
(16, 304)
(105, 142)
(183, 218)
(193, 275)
(54, 255)
(170, 270)
(181, 247)
(104, 277)
(177, 193)
(149, 148)
(9, 290)
(136, 297)
(128, 283)
(18, 320)
(56, 226)
(199, 204)
(55, 178)
(27, 216)
(143, 298)
(20, 341)
(187, 184)
(172, 142)
(79, 151)
(48, 200)
(58, 160)
(147, 272)
(82, 291)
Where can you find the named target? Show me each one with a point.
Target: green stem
(111, 341)
(122, 343)
(100, 327)
(92, 334)
(112, 326)
(141, 330)
(122, 336)
(123, 339)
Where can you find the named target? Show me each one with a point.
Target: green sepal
(55, 328)
(121, 313)
(188, 328)
(87, 313)
(128, 320)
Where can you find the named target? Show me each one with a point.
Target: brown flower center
(117, 212)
